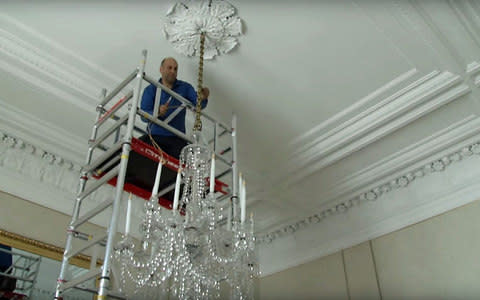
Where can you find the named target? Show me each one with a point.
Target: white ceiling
(336, 100)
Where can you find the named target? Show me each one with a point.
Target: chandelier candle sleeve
(243, 206)
(129, 215)
(177, 191)
(239, 194)
(157, 180)
(240, 180)
(229, 216)
(212, 175)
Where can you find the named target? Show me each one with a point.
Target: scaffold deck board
(141, 170)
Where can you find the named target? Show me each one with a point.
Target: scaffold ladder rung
(115, 108)
(16, 277)
(119, 87)
(109, 131)
(108, 165)
(223, 197)
(110, 293)
(219, 157)
(80, 279)
(94, 241)
(166, 190)
(161, 123)
(103, 157)
(112, 173)
(92, 213)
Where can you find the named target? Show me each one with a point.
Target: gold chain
(198, 123)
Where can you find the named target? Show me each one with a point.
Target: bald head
(168, 69)
(168, 59)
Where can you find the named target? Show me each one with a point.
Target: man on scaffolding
(170, 109)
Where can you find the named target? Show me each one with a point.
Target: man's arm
(148, 102)
(192, 96)
(205, 94)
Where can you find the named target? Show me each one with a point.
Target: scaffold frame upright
(24, 270)
(102, 274)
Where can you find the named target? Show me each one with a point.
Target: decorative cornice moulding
(463, 132)
(45, 64)
(43, 50)
(469, 16)
(50, 70)
(473, 70)
(47, 45)
(403, 208)
(46, 178)
(434, 154)
(334, 124)
(428, 28)
(16, 155)
(449, 28)
(41, 133)
(392, 113)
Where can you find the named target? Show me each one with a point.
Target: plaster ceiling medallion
(216, 18)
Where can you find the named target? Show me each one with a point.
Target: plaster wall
(434, 259)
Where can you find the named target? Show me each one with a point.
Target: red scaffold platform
(12, 296)
(141, 171)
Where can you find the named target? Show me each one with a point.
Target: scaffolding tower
(117, 170)
(23, 272)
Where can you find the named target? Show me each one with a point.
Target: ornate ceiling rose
(216, 18)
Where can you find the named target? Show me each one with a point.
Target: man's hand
(162, 110)
(204, 93)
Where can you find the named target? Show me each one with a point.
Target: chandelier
(189, 252)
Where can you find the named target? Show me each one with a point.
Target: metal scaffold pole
(76, 208)
(234, 198)
(105, 277)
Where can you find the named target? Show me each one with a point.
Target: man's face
(169, 71)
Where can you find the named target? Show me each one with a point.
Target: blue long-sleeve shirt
(180, 87)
